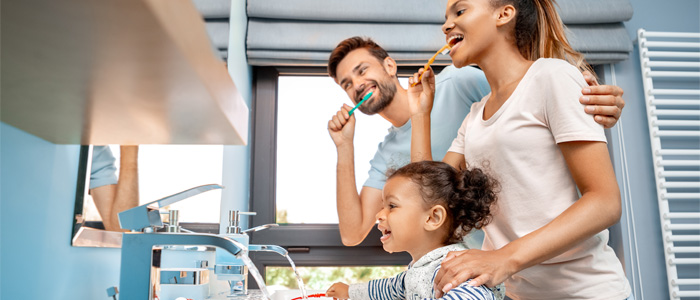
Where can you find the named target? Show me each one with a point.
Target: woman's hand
(420, 95)
(488, 268)
(338, 290)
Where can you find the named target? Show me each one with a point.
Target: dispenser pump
(234, 217)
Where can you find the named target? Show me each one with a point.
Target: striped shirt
(416, 283)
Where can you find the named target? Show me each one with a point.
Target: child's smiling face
(403, 216)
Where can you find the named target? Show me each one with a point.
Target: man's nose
(359, 88)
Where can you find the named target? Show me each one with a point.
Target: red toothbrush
(311, 296)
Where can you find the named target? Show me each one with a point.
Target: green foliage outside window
(321, 278)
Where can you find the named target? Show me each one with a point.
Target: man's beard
(387, 91)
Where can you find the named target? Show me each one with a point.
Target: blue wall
(644, 259)
(37, 198)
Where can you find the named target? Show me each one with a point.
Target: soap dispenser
(227, 266)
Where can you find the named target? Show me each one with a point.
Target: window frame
(308, 244)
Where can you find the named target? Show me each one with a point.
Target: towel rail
(676, 122)
(676, 133)
(675, 68)
(677, 152)
(680, 184)
(685, 261)
(675, 92)
(672, 64)
(684, 238)
(668, 54)
(680, 163)
(671, 45)
(676, 74)
(682, 227)
(675, 102)
(683, 294)
(683, 250)
(677, 196)
(672, 174)
(674, 112)
(679, 215)
(660, 34)
(686, 281)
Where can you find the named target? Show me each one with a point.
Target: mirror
(114, 178)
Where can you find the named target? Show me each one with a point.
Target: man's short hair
(350, 44)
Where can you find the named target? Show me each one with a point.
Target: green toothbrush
(360, 103)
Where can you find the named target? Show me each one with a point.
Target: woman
(545, 241)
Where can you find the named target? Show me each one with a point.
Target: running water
(256, 274)
(251, 268)
(300, 282)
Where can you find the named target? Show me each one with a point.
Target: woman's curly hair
(467, 195)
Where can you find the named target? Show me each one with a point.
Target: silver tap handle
(261, 227)
(140, 217)
(184, 195)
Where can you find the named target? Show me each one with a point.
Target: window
(294, 104)
(306, 156)
(320, 278)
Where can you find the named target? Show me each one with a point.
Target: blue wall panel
(37, 198)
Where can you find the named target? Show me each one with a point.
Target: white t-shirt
(518, 146)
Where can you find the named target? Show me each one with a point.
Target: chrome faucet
(233, 269)
(142, 248)
(140, 265)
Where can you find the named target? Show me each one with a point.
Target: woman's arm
(420, 104)
(598, 208)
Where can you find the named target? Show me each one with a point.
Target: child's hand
(338, 290)
(420, 96)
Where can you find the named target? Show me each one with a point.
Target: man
(113, 195)
(360, 66)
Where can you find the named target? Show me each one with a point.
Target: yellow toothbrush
(444, 50)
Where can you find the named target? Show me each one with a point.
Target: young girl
(545, 241)
(428, 208)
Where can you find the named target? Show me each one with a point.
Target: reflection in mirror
(111, 194)
(115, 178)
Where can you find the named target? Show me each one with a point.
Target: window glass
(306, 155)
(168, 169)
(321, 278)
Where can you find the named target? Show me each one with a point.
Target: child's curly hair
(467, 195)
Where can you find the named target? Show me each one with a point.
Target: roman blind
(304, 32)
(216, 14)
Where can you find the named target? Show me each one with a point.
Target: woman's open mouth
(455, 41)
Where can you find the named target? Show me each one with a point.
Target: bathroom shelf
(116, 72)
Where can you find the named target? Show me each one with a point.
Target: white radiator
(670, 63)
